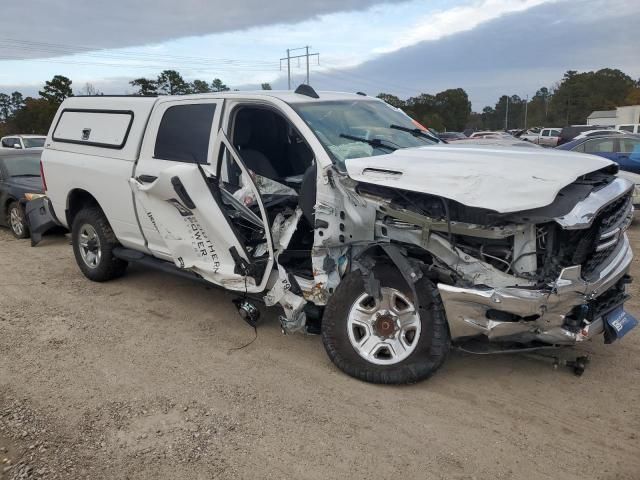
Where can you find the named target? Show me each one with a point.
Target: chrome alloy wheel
(384, 331)
(89, 243)
(15, 220)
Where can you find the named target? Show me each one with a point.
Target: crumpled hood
(500, 179)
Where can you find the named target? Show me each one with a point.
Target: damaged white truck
(351, 218)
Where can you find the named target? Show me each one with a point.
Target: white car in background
(629, 128)
(490, 134)
(547, 137)
(23, 142)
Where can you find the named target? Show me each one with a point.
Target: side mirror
(17, 145)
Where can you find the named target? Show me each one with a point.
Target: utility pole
(506, 115)
(288, 58)
(526, 106)
(288, 69)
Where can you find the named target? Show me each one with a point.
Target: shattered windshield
(361, 128)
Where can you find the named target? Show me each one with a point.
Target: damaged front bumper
(40, 217)
(534, 315)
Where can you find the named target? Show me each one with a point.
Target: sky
(487, 47)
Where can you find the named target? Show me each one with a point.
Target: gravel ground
(136, 379)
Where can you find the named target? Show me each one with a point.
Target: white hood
(500, 179)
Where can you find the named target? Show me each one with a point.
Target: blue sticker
(620, 321)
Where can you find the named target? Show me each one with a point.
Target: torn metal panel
(294, 318)
(524, 249)
(281, 292)
(327, 263)
(342, 216)
(472, 269)
(457, 228)
(283, 229)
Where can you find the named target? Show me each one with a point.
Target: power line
(288, 58)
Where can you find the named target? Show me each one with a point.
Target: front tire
(17, 221)
(93, 243)
(385, 340)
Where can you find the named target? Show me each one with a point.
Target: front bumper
(540, 314)
(40, 217)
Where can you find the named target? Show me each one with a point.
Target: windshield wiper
(374, 142)
(26, 175)
(416, 132)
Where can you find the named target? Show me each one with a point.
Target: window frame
(593, 140)
(95, 144)
(241, 104)
(8, 139)
(152, 129)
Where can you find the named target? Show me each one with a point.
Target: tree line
(20, 114)
(567, 102)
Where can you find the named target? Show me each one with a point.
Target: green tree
(266, 86)
(218, 86)
(392, 100)
(17, 101)
(35, 117)
(633, 98)
(5, 106)
(57, 89)
(453, 107)
(578, 94)
(171, 82)
(447, 110)
(200, 86)
(145, 86)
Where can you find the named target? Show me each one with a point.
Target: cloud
(80, 24)
(515, 54)
(458, 19)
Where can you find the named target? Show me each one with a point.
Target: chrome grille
(605, 233)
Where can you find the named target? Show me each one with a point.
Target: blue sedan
(622, 149)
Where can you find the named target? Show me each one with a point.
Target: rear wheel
(93, 243)
(386, 339)
(17, 221)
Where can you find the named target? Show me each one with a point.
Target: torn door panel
(190, 233)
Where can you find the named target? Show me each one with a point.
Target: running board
(134, 256)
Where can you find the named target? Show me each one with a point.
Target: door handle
(146, 178)
(178, 187)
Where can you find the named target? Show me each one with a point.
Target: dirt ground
(135, 379)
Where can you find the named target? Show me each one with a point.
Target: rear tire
(385, 351)
(93, 243)
(17, 221)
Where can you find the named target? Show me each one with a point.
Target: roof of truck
(284, 95)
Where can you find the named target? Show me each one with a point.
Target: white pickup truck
(356, 223)
(546, 137)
